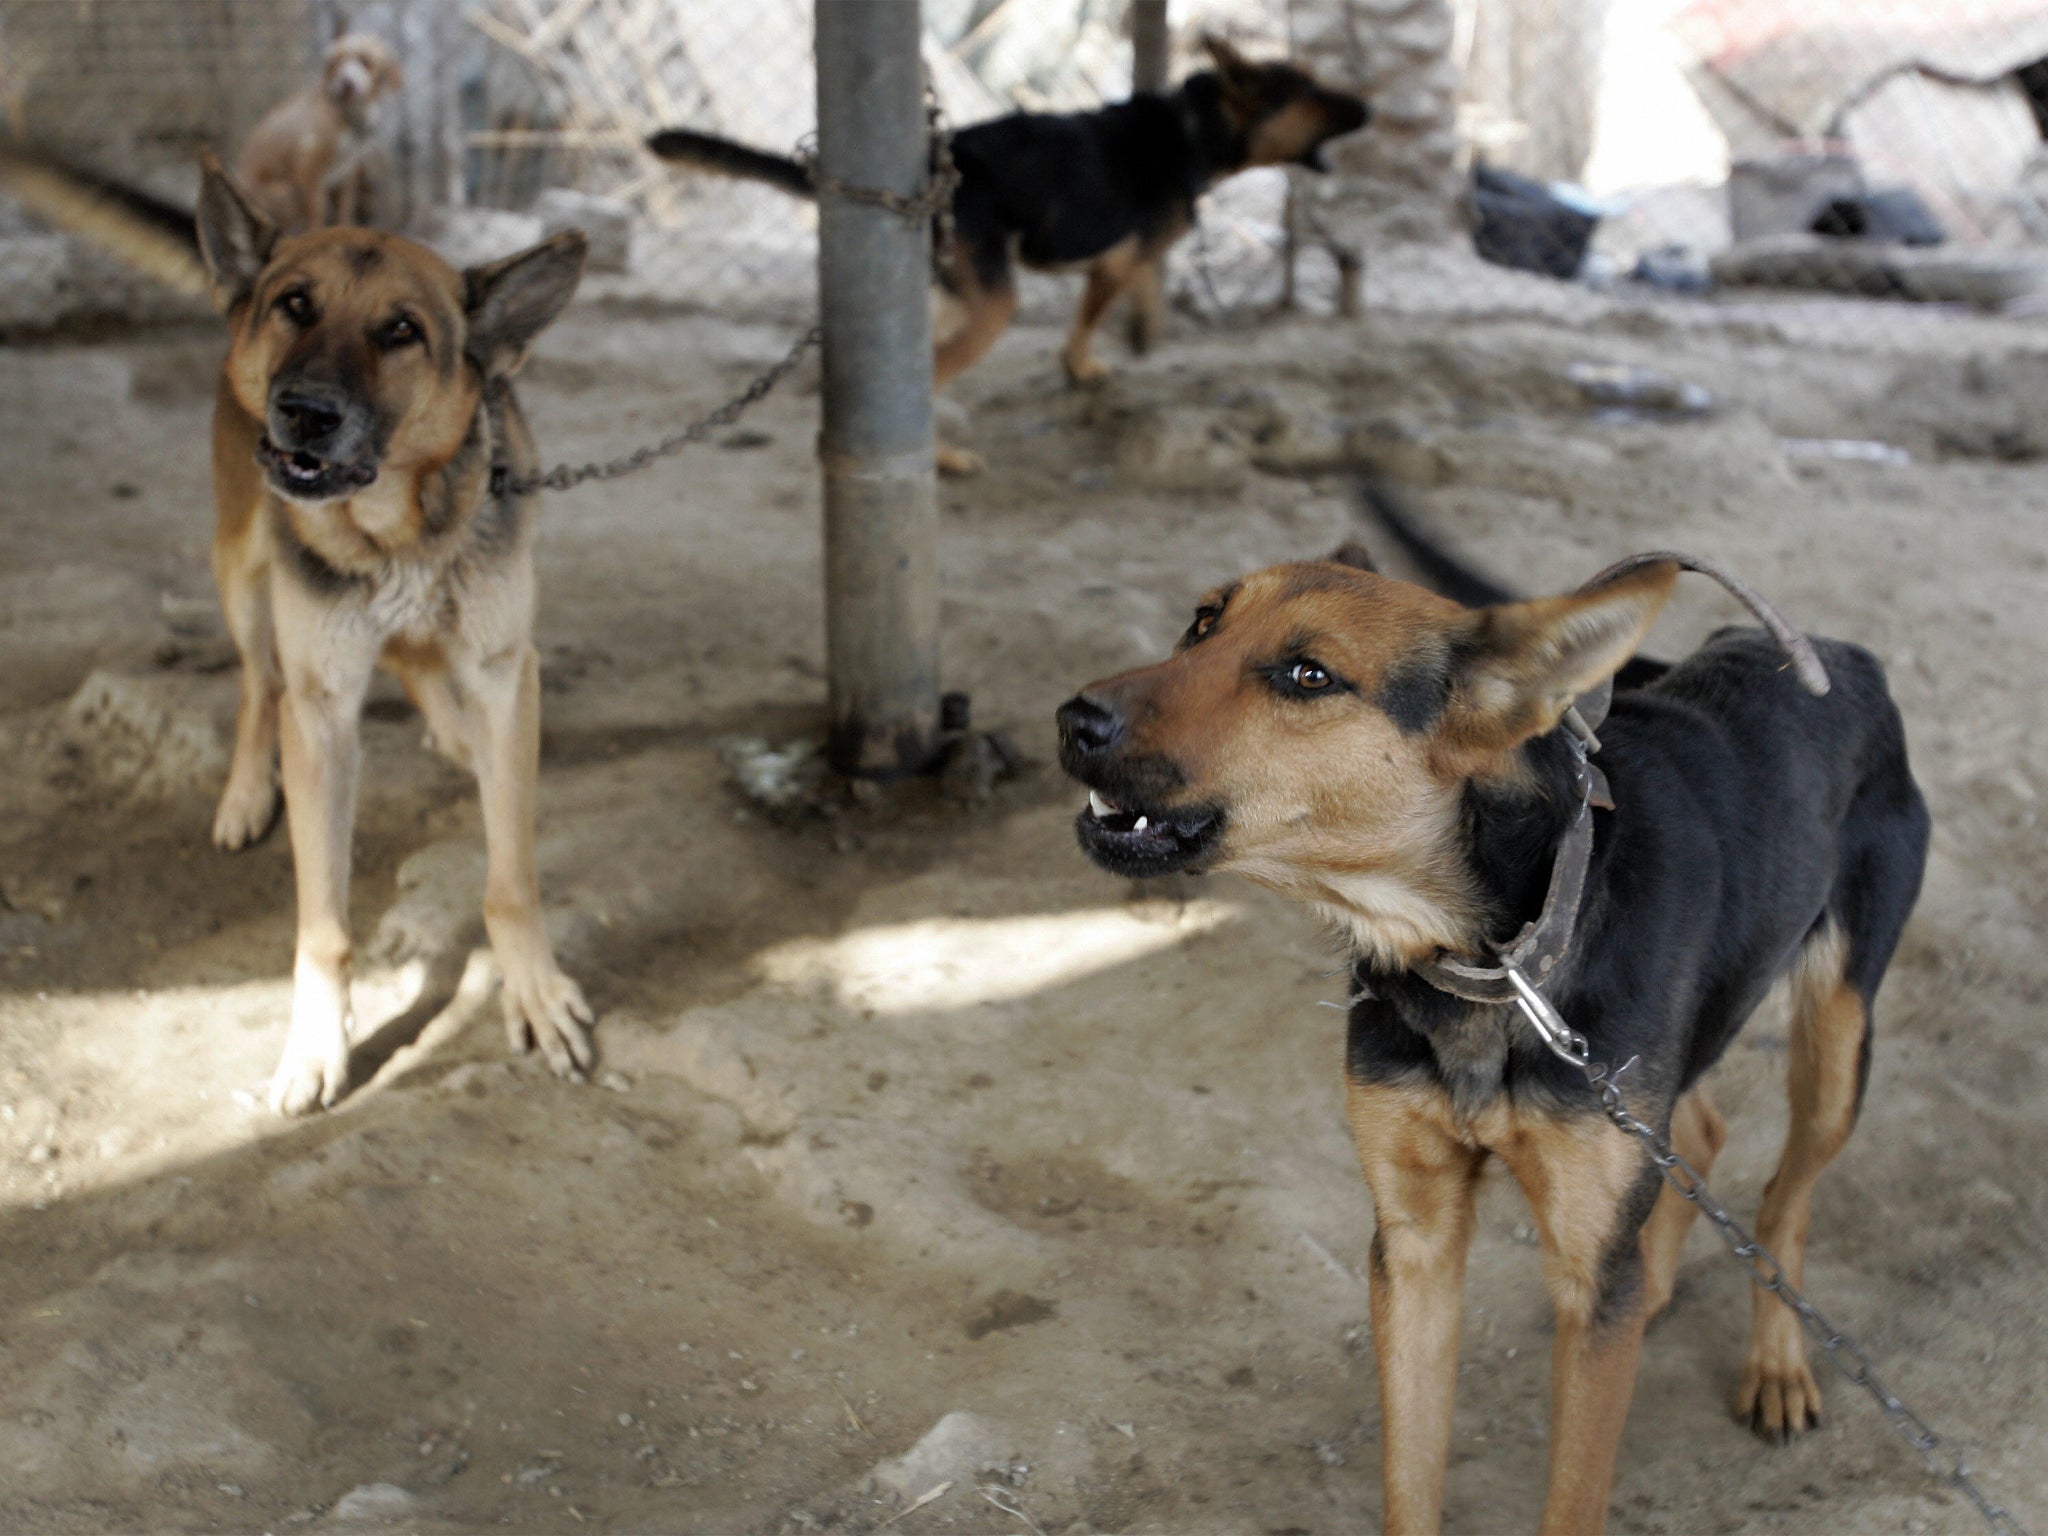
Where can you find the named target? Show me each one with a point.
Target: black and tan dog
(365, 404)
(1110, 190)
(1396, 760)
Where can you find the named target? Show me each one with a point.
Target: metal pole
(876, 446)
(1148, 45)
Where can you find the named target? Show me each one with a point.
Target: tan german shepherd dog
(365, 404)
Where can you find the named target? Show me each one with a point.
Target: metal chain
(564, 476)
(1943, 1459)
(935, 202)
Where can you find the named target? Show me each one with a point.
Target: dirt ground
(923, 1153)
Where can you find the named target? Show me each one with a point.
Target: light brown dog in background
(308, 162)
(366, 439)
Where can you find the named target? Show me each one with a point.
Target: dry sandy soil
(906, 1111)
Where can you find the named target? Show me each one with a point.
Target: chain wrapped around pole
(934, 204)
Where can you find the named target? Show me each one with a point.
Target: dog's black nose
(1087, 728)
(308, 416)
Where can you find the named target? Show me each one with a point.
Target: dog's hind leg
(1697, 1134)
(1589, 1189)
(1833, 982)
(987, 308)
(1108, 276)
(1147, 318)
(983, 303)
(988, 314)
(542, 1006)
(1830, 1029)
(248, 803)
(1423, 1181)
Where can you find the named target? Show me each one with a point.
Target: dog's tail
(727, 157)
(153, 236)
(1441, 571)
(1445, 573)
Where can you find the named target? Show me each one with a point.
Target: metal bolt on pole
(876, 445)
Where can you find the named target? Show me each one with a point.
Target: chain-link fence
(573, 89)
(1846, 168)
(518, 115)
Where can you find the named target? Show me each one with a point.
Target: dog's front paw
(1085, 371)
(247, 808)
(1779, 1397)
(314, 1071)
(545, 1008)
(959, 463)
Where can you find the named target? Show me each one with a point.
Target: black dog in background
(1112, 189)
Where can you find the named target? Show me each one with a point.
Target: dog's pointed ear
(1520, 665)
(1236, 74)
(235, 237)
(510, 302)
(1224, 55)
(1355, 555)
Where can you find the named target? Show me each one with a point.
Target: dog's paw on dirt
(1779, 1399)
(248, 806)
(545, 1008)
(314, 1072)
(1086, 372)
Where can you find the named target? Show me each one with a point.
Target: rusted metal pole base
(876, 444)
(882, 612)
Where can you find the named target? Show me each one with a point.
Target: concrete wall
(1398, 179)
(1531, 80)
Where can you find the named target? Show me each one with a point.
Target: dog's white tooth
(1100, 806)
(1141, 824)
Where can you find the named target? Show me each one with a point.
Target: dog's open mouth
(1127, 841)
(305, 476)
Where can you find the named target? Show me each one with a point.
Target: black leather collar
(1542, 945)
(500, 482)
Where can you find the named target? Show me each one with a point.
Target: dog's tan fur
(423, 570)
(309, 160)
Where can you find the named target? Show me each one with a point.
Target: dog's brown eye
(1307, 676)
(1204, 622)
(296, 307)
(401, 332)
